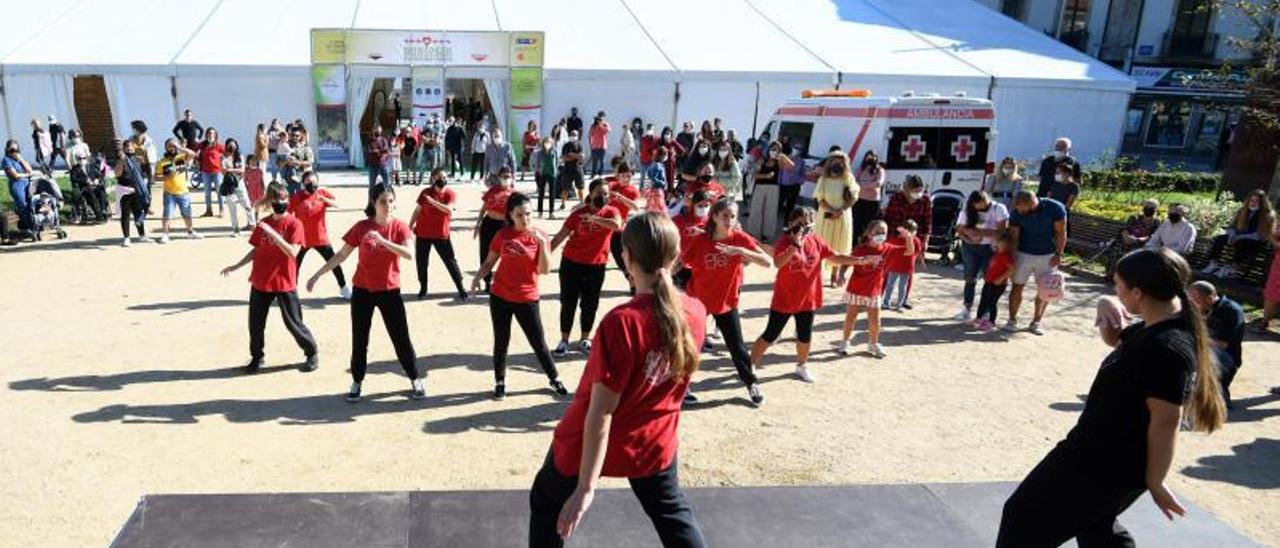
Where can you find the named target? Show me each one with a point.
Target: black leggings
(391, 306)
(788, 195)
(1059, 500)
(615, 249)
(991, 294)
(501, 311)
(579, 283)
(864, 211)
(477, 164)
(290, 312)
(422, 255)
(488, 229)
(731, 329)
(131, 204)
(455, 160)
(549, 186)
(660, 496)
(778, 320)
(325, 251)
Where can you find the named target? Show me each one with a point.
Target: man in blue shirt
(1224, 319)
(1039, 229)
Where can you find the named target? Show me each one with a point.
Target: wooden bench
(1087, 234)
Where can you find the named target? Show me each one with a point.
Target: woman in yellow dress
(835, 197)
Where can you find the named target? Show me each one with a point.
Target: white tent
(240, 62)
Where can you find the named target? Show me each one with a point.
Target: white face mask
(879, 239)
(1060, 178)
(1008, 171)
(702, 211)
(1059, 154)
(702, 150)
(1253, 207)
(723, 153)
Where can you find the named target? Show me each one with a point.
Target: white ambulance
(949, 141)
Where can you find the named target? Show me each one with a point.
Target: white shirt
(1179, 237)
(987, 220)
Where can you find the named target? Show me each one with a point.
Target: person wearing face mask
(378, 157)
(499, 154)
(791, 180)
(1005, 182)
(1061, 156)
(382, 240)
(1066, 188)
(545, 162)
(493, 216)
(982, 221)
(91, 190)
(598, 139)
(571, 178)
(209, 157)
(691, 221)
(310, 207)
(624, 197)
(1139, 228)
(131, 191)
(912, 204)
(573, 124)
(528, 143)
(700, 154)
(588, 232)
(19, 173)
(1175, 233)
(686, 138)
(762, 221)
(870, 180)
(675, 151)
(172, 171)
(627, 146)
(1248, 233)
(454, 137)
(430, 226)
(835, 196)
(867, 283)
(479, 144)
(656, 173)
(233, 188)
(649, 142)
(728, 173)
(275, 242)
(1039, 229)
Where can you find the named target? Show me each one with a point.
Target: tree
(1252, 162)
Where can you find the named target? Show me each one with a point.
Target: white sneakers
(1010, 325)
(1219, 270)
(163, 239)
(345, 292)
(803, 374)
(845, 348)
(876, 350)
(195, 235)
(125, 242)
(1035, 329)
(963, 315)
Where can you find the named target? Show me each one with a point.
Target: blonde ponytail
(653, 243)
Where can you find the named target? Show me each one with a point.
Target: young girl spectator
(797, 289)
(626, 411)
(1066, 188)
(588, 231)
(520, 254)
(728, 173)
(310, 206)
(996, 280)
(233, 182)
(493, 215)
(274, 279)
(430, 226)
(900, 267)
(382, 240)
(867, 282)
(397, 163)
(655, 171)
(716, 259)
(253, 180)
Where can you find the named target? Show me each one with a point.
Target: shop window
(1168, 125)
(1133, 121)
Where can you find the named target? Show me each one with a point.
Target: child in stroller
(46, 200)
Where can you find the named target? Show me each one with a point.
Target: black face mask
(598, 202)
(310, 188)
(279, 207)
(1175, 218)
(869, 162)
(438, 184)
(1149, 211)
(837, 169)
(704, 178)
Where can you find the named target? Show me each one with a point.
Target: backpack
(1051, 286)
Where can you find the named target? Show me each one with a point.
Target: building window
(1133, 121)
(1073, 30)
(1168, 125)
(1013, 8)
(1189, 36)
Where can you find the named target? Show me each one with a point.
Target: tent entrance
(93, 112)
(465, 99)
(386, 106)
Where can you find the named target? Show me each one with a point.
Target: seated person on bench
(1224, 319)
(1247, 235)
(1175, 232)
(1139, 229)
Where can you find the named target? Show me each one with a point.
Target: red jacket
(648, 144)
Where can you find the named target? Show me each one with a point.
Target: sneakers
(803, 374)
(898, 308)
(875, 350)
(500, 391)
(1010, 325)
(254, 365)
(1226, 271)
(706, 345)
(195, 235)
(963, 315)
(558, 388)
(985, 326)
(353, 395)
(690, 398)
(345, 292)
(416, 389)
(1035, 329)
(125, 242)
(1211, 269)
(561, 350)
(906, 306)
(757, 398)
(163, 239)
(845, 348)
(312, 363)
(141, 239)
(584, 346)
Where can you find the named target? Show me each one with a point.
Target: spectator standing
(763, 220)
(43, 146)
(172, 170)
(1049, 167)
(210, 161)
(545, 161)
(790, 181)
(275, 136)
(57, 143)
(262, 149)
(378, 157)
(454, 137)
(499, 154)
(648, 144)
(571, 169)
(912, 204)
(1005, 182)
(735, 145)
(528, 142)
(981, 222)
(686, 137)
(133, 191)
(1039, 228)
(147, 152)
(729, 175)
(870, 180)
(598, 138)
(234, 189)
(188, 130)
(479, 144)
(835, 197)
(1066, 186)
(19, 173)
(627, 148)
(1175, 232)
(573, 124)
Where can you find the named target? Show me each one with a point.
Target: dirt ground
(121, 378)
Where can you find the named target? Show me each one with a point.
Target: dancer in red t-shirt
(430, 226)
(625, 197)
(716, 259)
(382, 240)
(519, 252)
(626, 412)
(691, 222)
(310, 207)
(867, 282)
(797, 289)
(274, 279)
(493, 215)
(588, 231)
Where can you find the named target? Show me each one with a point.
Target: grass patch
(6, 201)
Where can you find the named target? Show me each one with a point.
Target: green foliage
(1208, 214)
(1117, 180)
(6, 201)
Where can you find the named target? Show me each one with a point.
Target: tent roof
(612, 41)
(35, 17)
(280, 31)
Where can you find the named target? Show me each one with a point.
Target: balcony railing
(1178, 45)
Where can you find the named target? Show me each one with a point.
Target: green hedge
(1114, 180)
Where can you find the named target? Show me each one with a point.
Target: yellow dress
(837, 232)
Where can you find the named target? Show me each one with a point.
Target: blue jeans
(21, 203)
(379, 171)
(976, 257)
(900, 280)
(211, 182)
(291, 179)
(181, 202)
(597, 161)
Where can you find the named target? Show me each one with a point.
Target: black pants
(391, 306)
(660, 496)
(526, 314)
(477, 164)
(571, 177)
(95, 198)
(488, 229)
(422, 255)
(579, 283)
(131, 204)
(550, 187)
(455, 160)
(788, 195)
(682, 278)
(325, 251)
(731, 329)
(290, 312)
(615, 249)
(991, 294)
(778, 320)
(1245, 250)
(1059, 500)
(1227, 369)
(864, 211)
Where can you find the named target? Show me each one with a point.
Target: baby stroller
(46, 200)
(942, 236)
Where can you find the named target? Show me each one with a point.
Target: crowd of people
(666, 212)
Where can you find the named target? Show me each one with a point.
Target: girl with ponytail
(624, 416)
(1161, 373)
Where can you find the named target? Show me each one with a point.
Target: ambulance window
(962, 148)
(798, 132)
(913, 148)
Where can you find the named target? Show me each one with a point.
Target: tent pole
(675, 108)
(755, 115)
(4, 103)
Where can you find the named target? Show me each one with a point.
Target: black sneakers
(254, 365)
(757, 398)
(312, 363)
(417, 390)
(353, 395)
(558, 388)
(500, 391)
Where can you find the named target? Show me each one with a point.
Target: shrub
(1115, 180)
(1210, 216)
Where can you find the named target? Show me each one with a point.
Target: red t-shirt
(690, 226)
(589, 242)
(627, 358)
(713, 188)
(433, 224)
(716, 276)
(378, 269)
(900, 262)
(310, 209)
(798, 286)
(868, 280)
(1000, 264)
(629, 190)
(495, 199)
(275, 271)
(516, 279)
(211, 157)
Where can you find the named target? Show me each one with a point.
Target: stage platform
(916, 515)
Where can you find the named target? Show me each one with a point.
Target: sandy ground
(120, 376)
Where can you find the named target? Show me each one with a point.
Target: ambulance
(949, 141)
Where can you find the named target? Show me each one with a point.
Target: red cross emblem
(962, 148)
(913, 148)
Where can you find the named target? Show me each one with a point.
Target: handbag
(229, 184)
(1051, 286)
